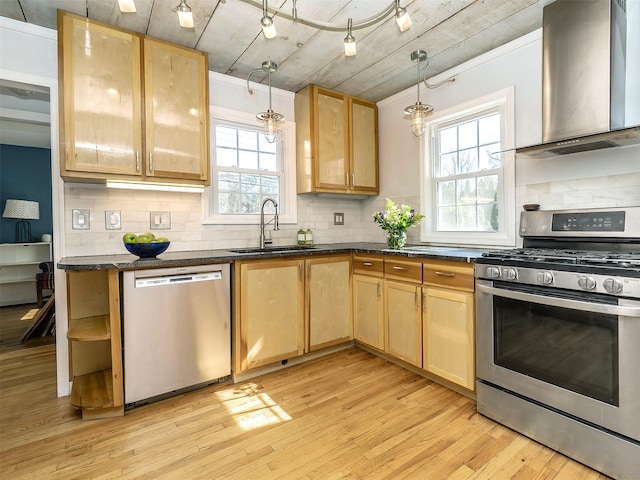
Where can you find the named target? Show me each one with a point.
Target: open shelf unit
(18, 268)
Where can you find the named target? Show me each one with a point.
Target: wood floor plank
(349, 416)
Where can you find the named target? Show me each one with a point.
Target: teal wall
(25, 174)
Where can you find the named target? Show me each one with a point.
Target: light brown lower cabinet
(368, 310)
(288, 307)
(403, 320)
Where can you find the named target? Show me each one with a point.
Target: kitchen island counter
(202, 257)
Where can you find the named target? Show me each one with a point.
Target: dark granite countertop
(128, 261)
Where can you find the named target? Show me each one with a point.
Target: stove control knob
(509, 274)
(493, 272)
(545, 278)
(586, 283)
(612, 285)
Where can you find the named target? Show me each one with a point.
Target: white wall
(601, 178)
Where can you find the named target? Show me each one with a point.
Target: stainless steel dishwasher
(176, 329)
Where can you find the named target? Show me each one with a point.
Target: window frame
(504, 102)
(288, 210)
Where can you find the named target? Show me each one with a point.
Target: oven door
(575, 352)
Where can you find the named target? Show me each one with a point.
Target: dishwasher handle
(177, 279)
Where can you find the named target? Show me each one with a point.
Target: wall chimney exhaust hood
(590, 76)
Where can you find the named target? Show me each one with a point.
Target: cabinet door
(329, 302)
(403, 319)
(368, 310)
(176, 111)
(331, 140)
(364, 147)
(101, 102)
(448, 342)
(271, 312)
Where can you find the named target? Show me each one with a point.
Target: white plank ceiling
(451, 31)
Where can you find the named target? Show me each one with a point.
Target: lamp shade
(22, 209)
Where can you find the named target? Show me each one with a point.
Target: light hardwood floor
(347, 416)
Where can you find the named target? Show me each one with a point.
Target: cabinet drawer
(399, 270)
(448, 274)
(368, 266)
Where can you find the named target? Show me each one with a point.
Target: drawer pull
(396, 267)
(446, 274)
(367, 264)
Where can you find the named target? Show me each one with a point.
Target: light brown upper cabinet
(337, 143)
(132, 107)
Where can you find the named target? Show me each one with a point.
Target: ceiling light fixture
(402, 17)
(127, 6)
(418, 110)
(185, 16)
(269, 118)
(349, 41)
(268, 27)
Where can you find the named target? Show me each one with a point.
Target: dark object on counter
(147, 250)
(530, 207)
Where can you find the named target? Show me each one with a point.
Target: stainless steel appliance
(176, 329)
(558, 335)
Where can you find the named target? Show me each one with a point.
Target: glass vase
(396, 240)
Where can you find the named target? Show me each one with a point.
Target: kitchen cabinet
(18, 268)
(133, 108)
(271, 312)
(285, 308)
(328, 301)
(368, 300)
(95, 346)
(403, 310)
(448, 322)
(337, 143)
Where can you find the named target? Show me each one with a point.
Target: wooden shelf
(90, 329)
(93, 390)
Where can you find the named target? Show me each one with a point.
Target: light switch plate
(159, 220)
(338, 218)
(112, 220)
(80, 219)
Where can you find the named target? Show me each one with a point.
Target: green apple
(162, 239)
(129, 238)
(150, 235)
(143, 238)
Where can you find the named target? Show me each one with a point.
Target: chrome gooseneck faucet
(263, 241)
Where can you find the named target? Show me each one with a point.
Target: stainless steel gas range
(558, 335)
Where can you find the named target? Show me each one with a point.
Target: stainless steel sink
(286, 248)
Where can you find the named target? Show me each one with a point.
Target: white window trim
(507, 235)
(288, 193)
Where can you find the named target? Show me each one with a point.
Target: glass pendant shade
(268, 27)
(403, 19)
(185, 17)
(127, 6)
(270, 118)
(349, 41)
(418, 111)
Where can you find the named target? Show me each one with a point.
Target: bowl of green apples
(145, 245)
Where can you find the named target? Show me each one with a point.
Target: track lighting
(349, 42)
(418, 110)
(402, 17)
(127, 6)
(268, 27)
(184, 15)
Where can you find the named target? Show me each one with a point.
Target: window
(246, 169)
(468, 181)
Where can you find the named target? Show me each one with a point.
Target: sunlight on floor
(30, 314)
(251, 408)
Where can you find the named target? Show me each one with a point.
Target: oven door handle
(620, 310)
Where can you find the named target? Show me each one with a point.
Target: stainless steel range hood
(589, 47)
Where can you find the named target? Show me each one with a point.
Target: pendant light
(185, 17)
(268, 27)
(418, 110)
(349, 41)
(270, 118)
(127, 6)
(402, 17)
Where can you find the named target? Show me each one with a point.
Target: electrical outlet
(338, 218)
(112, 220)
(80, 219)
(160, 220)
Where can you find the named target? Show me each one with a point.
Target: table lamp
(24, 210)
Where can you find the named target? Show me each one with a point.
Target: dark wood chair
(44, 280)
